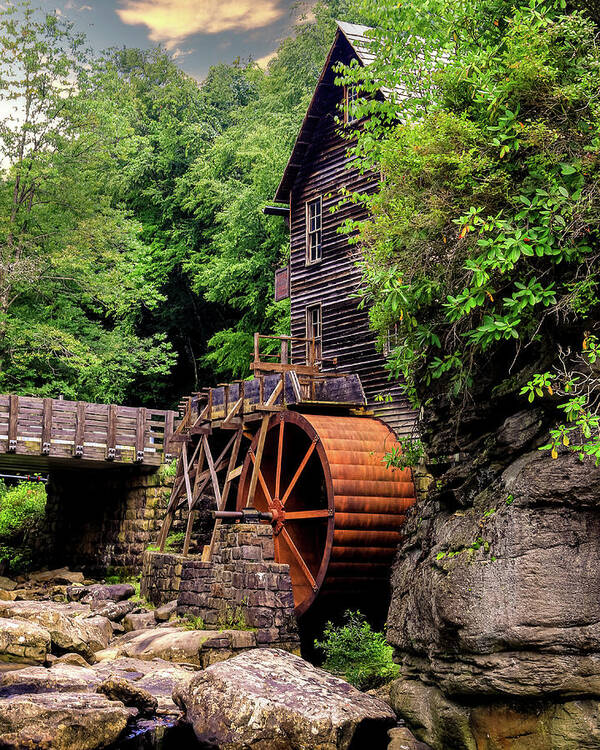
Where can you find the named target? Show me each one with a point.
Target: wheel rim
(294, 484)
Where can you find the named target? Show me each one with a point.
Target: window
(314, 330)
(350, 101)
(391, 340)
(314, 223)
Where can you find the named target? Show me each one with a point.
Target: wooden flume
(297, 445)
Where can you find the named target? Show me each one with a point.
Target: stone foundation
(102, 521)
(161, 576)
(242, 587)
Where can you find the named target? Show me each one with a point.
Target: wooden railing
(280, 380)
(80, 430)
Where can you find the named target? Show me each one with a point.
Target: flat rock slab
(115, 592)
(270, 699)
(7, 584)
(60, 678)
(158, 678)
(23, 641)
(71, 626)
(61, 721)
(180, 645)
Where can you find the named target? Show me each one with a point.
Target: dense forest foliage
(482, 254)
(136, 261)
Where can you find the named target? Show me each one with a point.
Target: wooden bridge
(37, 434)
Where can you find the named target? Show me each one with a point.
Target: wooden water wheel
(336, 508)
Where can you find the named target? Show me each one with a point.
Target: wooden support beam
(213, 473)
(13, 417)
(208, 549)
(140, 435)
(188, 532)
(79, 429)
(111, 435)
(168, 433)
(258, 460)
(46, 427)
(234, 410)
(186, 477)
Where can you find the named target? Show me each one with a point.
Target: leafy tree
(22, 509)
(231, 182)
(483, 248)
(70, 262)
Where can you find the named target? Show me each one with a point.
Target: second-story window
(350, 102)
(314, 333)
(314, 224)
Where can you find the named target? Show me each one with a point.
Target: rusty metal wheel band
(340, 524)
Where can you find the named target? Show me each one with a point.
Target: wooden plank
(140, 434)
(111, 433)
(258, 460)
(46, 426)
(168, 432)
(79, 430)
(234, 473)
(13, 417)
(213, 473)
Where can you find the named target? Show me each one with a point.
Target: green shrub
(174, 542)
(193, 623)
(357, 653)
(21, 507)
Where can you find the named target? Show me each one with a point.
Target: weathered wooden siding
(335, 279)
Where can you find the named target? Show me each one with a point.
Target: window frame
(310, 233)
(390, 342)
(308, 328)
(349, 118)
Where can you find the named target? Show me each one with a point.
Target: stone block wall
(242, 586)
(161, 576)
(104, 519)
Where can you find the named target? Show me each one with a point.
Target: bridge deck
(37, 433)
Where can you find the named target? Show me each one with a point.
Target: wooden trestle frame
(313, 469)
(192, 478)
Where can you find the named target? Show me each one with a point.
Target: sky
(198, 33)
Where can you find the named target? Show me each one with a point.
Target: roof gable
(349, 39)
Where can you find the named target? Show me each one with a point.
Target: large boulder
(495, 588)
(130, 694)
(72, 627)
(269, 699)
(139, 621)
(198, 647)
(61, 721)
(22, 641)
(114, 611)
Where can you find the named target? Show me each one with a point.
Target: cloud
(171, 21)
(177, 53)
(263, 61)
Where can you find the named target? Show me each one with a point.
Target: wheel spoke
(279, 459)
(299, 558)
(263, 484)
(299, 471)
(301, 515)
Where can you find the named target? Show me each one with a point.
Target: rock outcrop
(270, 699)
(61, 721)
(72, 627)
(494, 613)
